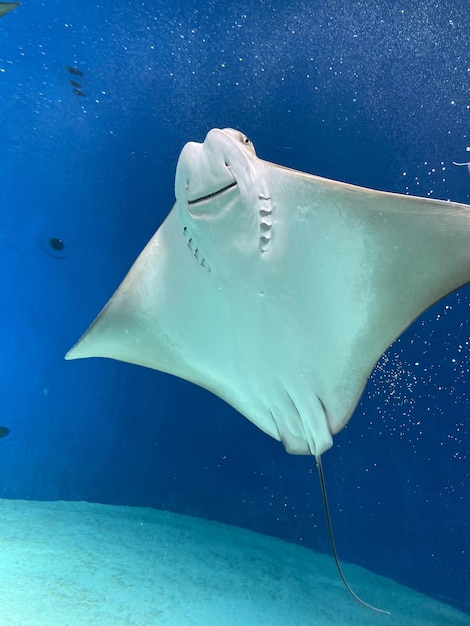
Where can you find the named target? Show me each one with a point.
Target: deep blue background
(370, 95)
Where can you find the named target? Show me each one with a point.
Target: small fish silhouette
(74, 70)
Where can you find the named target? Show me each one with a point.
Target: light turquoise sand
(79, 564)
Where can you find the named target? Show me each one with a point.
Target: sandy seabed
(77, 563)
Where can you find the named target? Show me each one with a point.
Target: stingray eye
(246, 141)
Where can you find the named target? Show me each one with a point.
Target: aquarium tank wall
(97, 102)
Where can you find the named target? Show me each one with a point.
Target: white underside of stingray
(277, 290)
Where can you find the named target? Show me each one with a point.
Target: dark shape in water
(54, 246)
(79, 92)
(74, 70)
(6, 7)
(4, 431)
(75, 83)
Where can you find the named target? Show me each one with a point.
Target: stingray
(6, 7)
(279, 290)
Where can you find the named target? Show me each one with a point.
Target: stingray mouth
(212, 195)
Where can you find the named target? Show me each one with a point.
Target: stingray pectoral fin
(169, 315)
(154, 313)
(377, 261)
(6, 7)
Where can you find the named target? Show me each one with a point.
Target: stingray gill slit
(195, 250)
(265, 222)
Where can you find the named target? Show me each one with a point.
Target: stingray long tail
(332, 542)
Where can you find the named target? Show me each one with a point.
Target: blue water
(353, 91)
